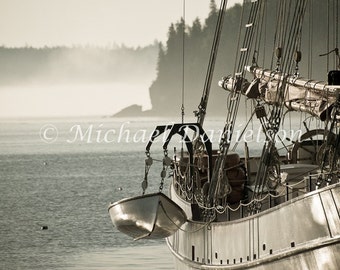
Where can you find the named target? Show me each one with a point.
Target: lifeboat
(151, 216)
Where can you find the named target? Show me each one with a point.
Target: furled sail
(314, 97)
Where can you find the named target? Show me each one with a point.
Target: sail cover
(314, 97)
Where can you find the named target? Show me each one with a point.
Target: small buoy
(45, 163)
(45, 227)
(120, 188)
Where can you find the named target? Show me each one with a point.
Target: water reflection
(139, 258)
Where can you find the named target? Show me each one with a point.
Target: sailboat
(279, 209)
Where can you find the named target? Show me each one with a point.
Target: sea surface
(54, 195)
(57, 178)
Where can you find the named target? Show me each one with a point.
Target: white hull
(150, 216)
(324, 257)
(303, 233)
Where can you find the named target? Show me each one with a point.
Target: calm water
(63, 173)
(67, 187)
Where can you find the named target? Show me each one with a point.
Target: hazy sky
(94, 22)
(40, 23)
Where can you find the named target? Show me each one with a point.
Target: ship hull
(303, 233)
(324, 257)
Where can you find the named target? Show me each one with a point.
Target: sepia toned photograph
(169, 134)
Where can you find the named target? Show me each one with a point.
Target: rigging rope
(289, 38)
(310, 43)
(332, 35)
(183, 63)
(337, 60)
(337, 24)
(328, 30)
(202, 107)
(234, 100)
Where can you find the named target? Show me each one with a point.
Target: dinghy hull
(150, 216)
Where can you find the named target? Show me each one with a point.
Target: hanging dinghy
(151, 216)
